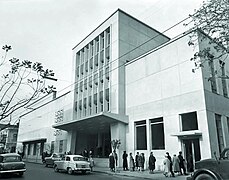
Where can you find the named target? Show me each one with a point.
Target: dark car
(49, 161)
(213, 169)
(11, 163)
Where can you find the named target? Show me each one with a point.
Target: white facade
(134, 84)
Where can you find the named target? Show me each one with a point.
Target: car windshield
(10, 159)
(79, 159)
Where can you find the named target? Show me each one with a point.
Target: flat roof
(119, 10)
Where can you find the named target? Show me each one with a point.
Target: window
(78, 71)
(85, 84)
(29, 149)
(52, 147)
(85, 106)
(224, 82)
(107, 73)
(189, 121)
(219, 132)
(81, 86)
(101, 100)
(108, 38)
(77, 58)
(157, 133)
(67, 158)
(34, 148)
(101, 76)
(141, 135)
(107, 98)
(102, 41)
(96, 79)
(91, 49)
(212, 79)
(97, 44)
(42, 148)
(61, 144)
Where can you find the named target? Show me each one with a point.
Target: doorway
(191, 152)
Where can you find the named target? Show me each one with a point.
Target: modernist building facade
(135, 84)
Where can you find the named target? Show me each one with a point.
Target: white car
(71, 164)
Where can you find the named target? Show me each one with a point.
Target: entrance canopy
(98, 122)
(188, 134)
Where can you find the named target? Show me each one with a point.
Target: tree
(212, 18)
(22, 83)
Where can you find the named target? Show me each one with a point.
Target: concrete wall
(162, 84)
(38, 125)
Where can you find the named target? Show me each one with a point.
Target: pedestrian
(181, 163)
(171, 164)
(124, 158)
(112, 162)
(115, 157)
(91, 161)
(142, 161)
(176, 166)
(137, 161)
(152, 161)
(43, 157)
(131, 162)
(166, 164)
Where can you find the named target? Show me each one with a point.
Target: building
(36, 134)
(134, 84)
(8, 138)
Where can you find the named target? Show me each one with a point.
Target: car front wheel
(69, 170)
(56, 169)
(204, 176)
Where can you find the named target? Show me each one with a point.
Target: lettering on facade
(59, 116)
(57, 132)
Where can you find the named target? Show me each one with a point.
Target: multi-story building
(134, 84)
(8, 138)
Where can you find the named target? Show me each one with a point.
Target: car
(11, 163)
(212, 169)
(49, 161)
(72, 164)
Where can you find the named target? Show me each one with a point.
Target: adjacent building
(135, 84)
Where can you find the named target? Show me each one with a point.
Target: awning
(188, 134)
(36, 140)
(98, 122)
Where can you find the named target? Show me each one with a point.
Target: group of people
(172, 165)
(136, 163)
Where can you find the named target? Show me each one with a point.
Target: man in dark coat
(124, 157)
(181, 163)
(112, 162)
(152, 161)
(137, 161)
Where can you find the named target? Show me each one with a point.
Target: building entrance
(98, 143)
(191, 152)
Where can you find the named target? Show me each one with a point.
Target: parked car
(71, 164)
(49, 161)
(11, 163)
(212, 169)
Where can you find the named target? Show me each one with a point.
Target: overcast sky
(47, 30)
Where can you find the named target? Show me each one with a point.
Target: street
(39, 172)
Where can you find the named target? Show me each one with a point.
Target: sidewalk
(158, 175)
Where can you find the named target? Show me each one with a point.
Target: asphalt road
(40, 172)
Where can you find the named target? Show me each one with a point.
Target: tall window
(213, 79)
(61, 146)
(141, 135)
(219, 132)
(157, 133)
(34, 148)
(224, 83)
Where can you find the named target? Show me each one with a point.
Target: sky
(46, 30)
